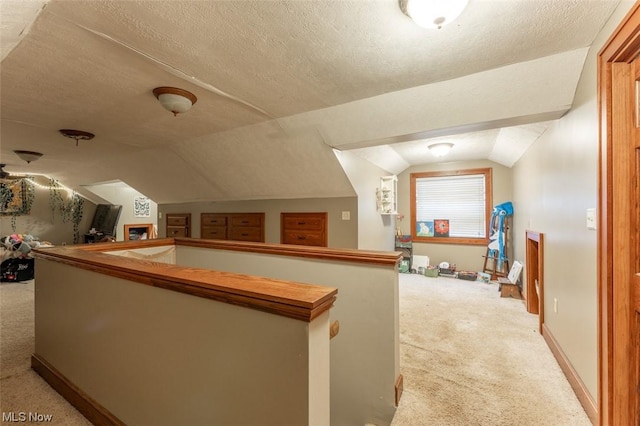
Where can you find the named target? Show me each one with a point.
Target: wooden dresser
(309, 229)
(178, 224)
(232, 226)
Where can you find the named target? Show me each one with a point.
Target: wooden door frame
(614, 390)
(534, 253)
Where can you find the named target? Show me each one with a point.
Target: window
(451, 207)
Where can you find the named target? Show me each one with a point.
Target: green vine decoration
(77, 212)
(73, 210)
(56, 202)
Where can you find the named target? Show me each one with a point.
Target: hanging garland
(73, 210)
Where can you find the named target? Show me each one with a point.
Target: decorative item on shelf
(441, 228)
(399, 218)
(78, 135)
(175, 100)
(27, 156)
(424, 228)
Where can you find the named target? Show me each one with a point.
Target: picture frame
(14, 197)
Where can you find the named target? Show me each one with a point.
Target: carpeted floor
(470, 357)
(462, 356)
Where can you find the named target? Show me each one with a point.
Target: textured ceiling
(279, 85)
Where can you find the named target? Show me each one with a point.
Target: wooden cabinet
(138, 231)
(309, 229)
(232, 226)
(178, 224)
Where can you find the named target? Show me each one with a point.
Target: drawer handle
(245, 221)
(302, 223)
(245, 235)
(302, 237)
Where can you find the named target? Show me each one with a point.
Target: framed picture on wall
(424, 228)
(14, 197)
(141, 207)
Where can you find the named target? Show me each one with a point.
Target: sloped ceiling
(280, 84)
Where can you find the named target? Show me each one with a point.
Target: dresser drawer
(307, 238)
(176, 221)
(213, 219)
(304, 222)
(246, 220)
(214, 232)
(246, 234)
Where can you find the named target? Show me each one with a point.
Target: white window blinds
(459, 199)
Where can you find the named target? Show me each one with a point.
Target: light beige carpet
(468, 358)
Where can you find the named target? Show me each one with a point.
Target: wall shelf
(387, 195)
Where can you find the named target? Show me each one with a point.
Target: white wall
(153, 356)
(341, 233)
(365, 358)
(120, 193)
(555, 183)
(375, 231)
(44, 225)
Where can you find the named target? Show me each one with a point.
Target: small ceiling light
(440, 149)
(28, 156)
(433, 13)
(175, 100)
(76, 134)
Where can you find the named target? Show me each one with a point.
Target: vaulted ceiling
(280, 84)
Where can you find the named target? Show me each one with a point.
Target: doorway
(534, 252)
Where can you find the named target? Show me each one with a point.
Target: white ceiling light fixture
(433, 13)
(28, 156)
(175, 100)
(440, 149)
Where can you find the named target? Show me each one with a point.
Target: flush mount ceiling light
(175, 100)
(28, 156)
(433, 13)
(440, 149)
(78, 135)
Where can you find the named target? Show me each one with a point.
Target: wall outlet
(555, 305)
(159, 215)
(346, 215)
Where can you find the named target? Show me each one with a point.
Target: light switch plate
(346, 215)
(591, 219)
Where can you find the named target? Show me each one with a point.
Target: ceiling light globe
(175, 100)
(174, 103)
(435, 13)
(440, 149)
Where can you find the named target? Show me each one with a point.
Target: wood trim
(487, 172)
(343, 255)
(399, 388)
(124, 245)
(535, 299)
(286, 298)
(572, 376)
(621, 47)
(87, 406)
